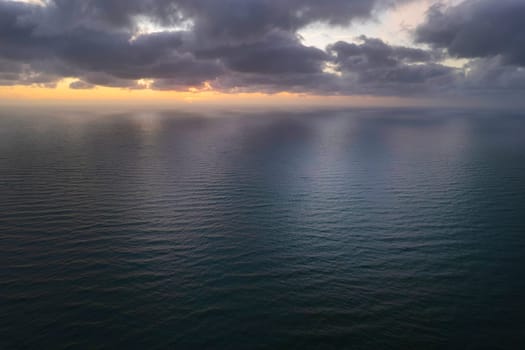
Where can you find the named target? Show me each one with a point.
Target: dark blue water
(363, 229)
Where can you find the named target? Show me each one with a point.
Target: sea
(364, 228)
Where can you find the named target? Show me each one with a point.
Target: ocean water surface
(355, 229)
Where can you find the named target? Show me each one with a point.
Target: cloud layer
(491, 34)
(253, 45)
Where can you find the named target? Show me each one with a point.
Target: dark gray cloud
(84, 49)
(374, 53)
(253, 45)
(248, 20)
(16, 73)
(377, 66)
(96, 41)
(275, 53)
(81, 85)
(491, 34)
(492, 76)
(478, 28)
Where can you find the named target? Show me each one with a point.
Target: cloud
(254, 45)
(492, 76)
(374, 53)
(377, 66)
(241, 20)
(478, 28)
(491, 34)
(99, 41)
(81, 85)
(275, 53)
(16, 73)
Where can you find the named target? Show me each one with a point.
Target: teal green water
(360, 229)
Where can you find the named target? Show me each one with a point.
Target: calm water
(401, 229)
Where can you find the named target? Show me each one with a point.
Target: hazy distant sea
(358, 229)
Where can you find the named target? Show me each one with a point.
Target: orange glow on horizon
(18, 94)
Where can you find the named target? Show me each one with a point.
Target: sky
(367, 52)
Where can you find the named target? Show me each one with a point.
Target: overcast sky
(415, 48)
